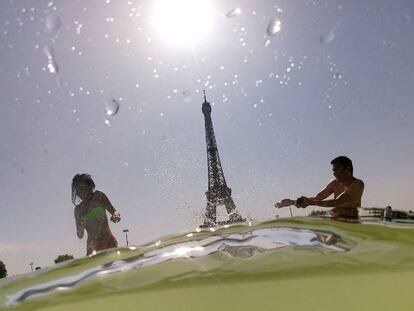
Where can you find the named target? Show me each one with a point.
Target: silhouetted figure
(388, 213)
(90, 214)
(347, 191)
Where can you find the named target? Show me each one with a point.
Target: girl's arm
(80, 224)
(116, 217)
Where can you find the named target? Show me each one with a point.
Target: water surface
(286, 264)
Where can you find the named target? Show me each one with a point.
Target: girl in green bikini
(90, 214)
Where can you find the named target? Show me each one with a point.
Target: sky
(293, 84)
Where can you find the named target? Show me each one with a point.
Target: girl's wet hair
(80, 178)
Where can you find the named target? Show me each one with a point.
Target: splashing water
(53, 22)
(350, 264)
(234, 12)
(52, 66)
(327, 38)
(187, 96)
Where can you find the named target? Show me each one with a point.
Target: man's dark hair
(345, 162)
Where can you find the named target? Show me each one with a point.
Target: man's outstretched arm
(350, 197)
(324, 193)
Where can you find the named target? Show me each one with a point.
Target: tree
(64, 257)
(316, 213)
(3, 270)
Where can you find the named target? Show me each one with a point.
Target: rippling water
(289, 264)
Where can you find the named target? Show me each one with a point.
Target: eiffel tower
(218, 193)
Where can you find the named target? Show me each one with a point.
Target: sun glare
(183, 22)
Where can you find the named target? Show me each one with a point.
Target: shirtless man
(347, 191)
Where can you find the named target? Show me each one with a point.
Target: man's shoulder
(359, 182)
(357, 185)
(333, 183)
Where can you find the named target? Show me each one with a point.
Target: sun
(183, 22)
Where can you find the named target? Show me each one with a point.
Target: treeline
(58, 259)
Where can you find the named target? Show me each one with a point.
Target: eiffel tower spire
(218, 193)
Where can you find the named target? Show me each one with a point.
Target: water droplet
(338, 75)
(187, 96)
(53, 22)
(48, 51)
(273, 27)
(51, 64)
(279, 10)
(78, 29)
(267, 42)
(407, 17)
(112, 107)
(234, 12)
(327, 38)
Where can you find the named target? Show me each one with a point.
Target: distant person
(347, 191)
(90, 214)
(387, 213)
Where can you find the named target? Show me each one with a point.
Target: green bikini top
(95, 213)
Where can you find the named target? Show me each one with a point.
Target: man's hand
(284, 203)
(116, 217)
(302, 202)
